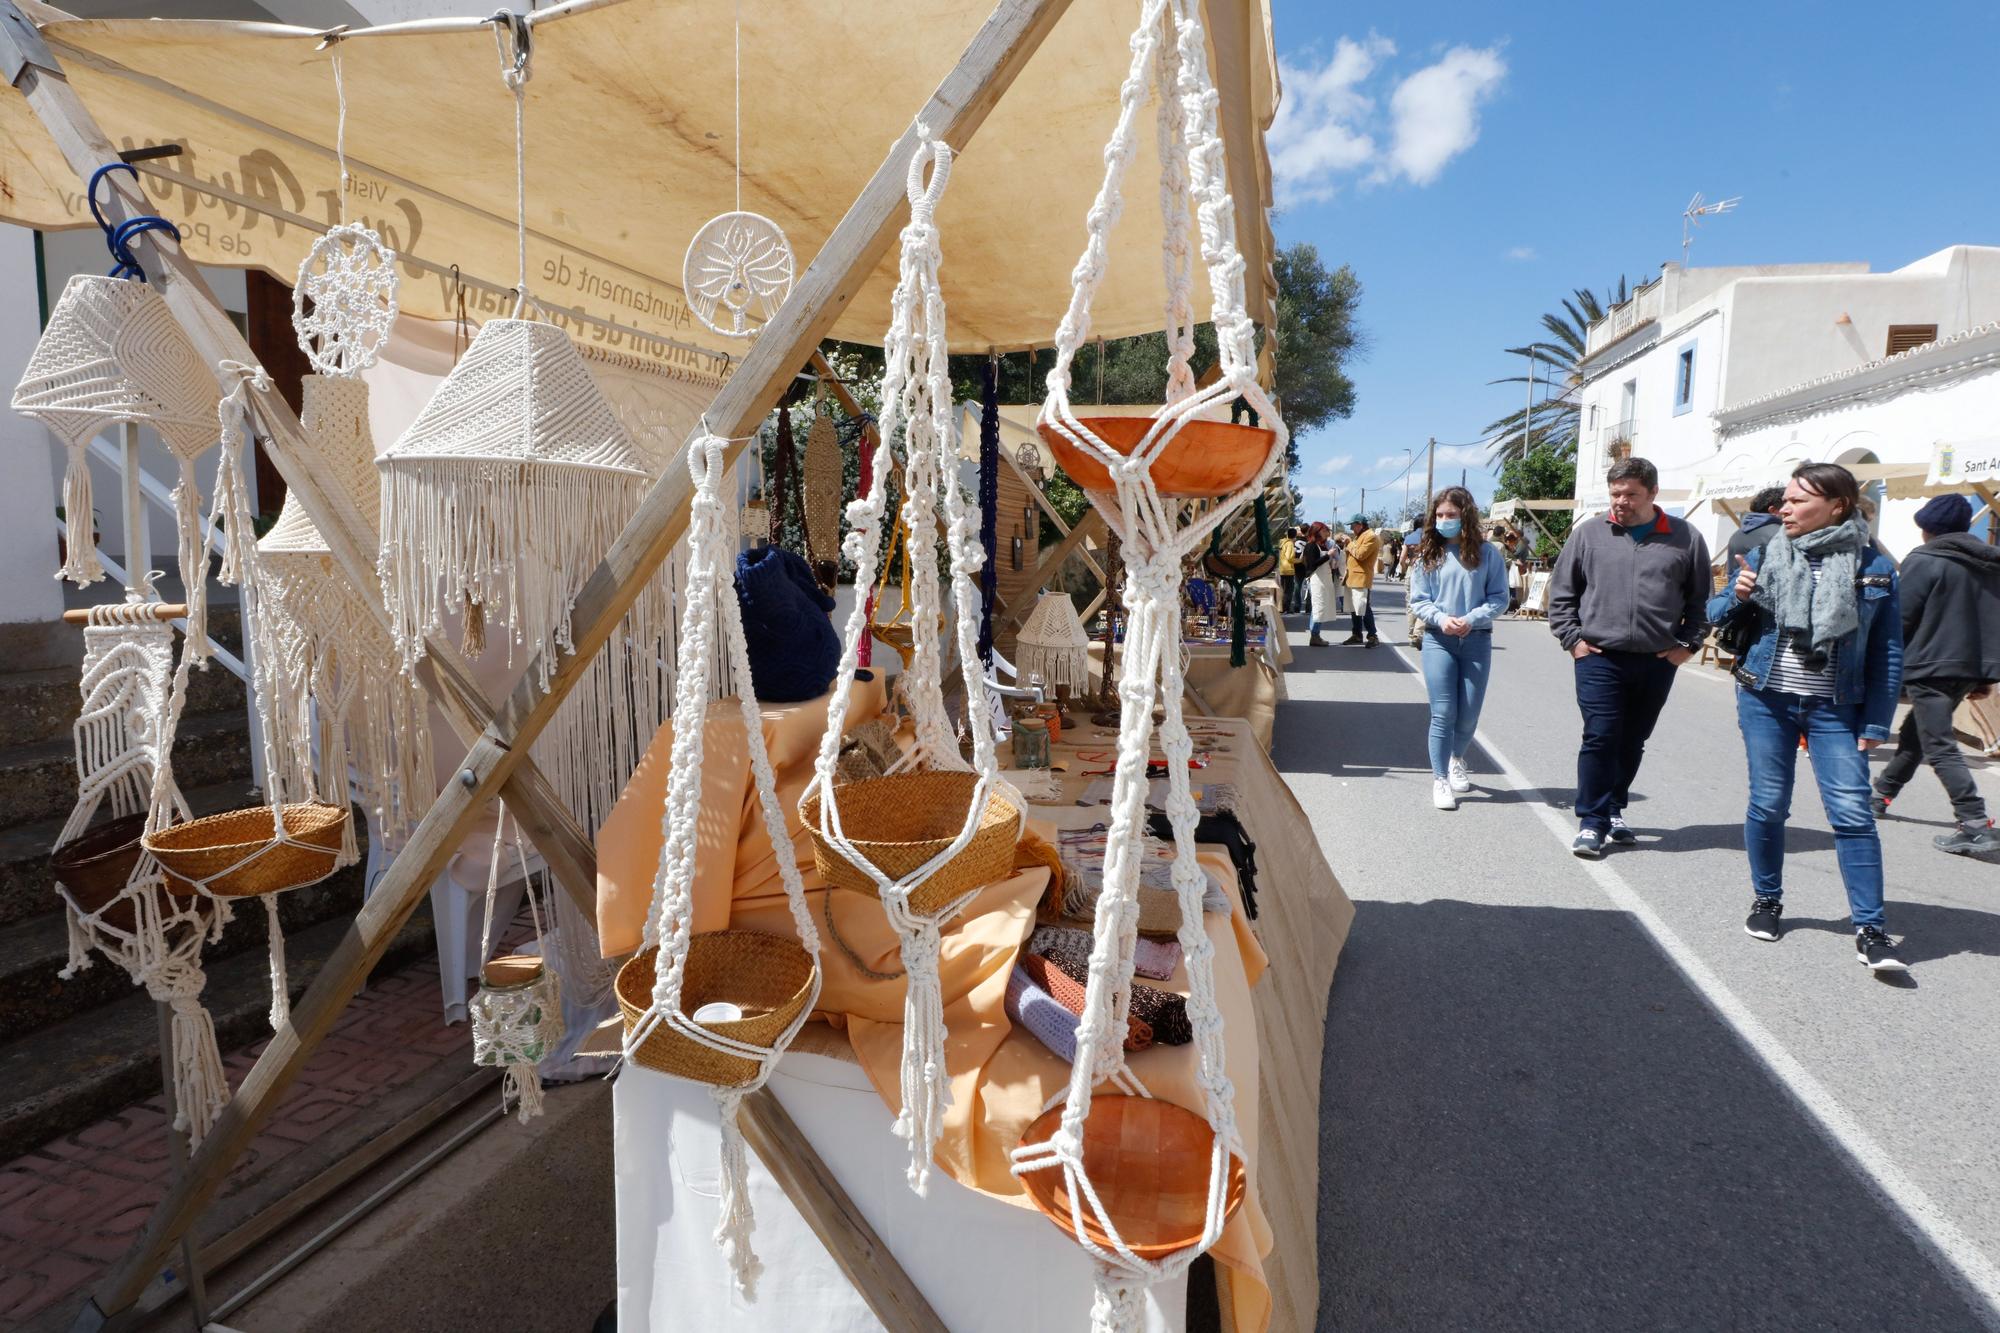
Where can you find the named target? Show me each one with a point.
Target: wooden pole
(995, 56)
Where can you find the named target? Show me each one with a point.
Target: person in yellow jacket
(1362, 551)
(1288, 570)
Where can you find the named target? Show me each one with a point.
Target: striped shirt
(1791, 672)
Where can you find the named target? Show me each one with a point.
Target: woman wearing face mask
(1826, 666)
(1458, 583)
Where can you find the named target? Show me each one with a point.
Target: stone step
(27, 888)
(79, 1070)
(38, 781)
(39, 706)
(34, 951)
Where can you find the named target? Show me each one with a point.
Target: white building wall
(28, 501)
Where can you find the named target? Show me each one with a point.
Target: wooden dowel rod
(159, 610)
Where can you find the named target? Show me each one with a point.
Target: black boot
(1351, 641)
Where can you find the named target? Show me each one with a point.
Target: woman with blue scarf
(1825, 668)
(1458, 583)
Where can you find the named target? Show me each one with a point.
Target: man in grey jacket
(1628, 602)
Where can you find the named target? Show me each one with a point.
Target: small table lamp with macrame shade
(1054, 646)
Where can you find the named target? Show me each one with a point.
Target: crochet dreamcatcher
(1095, 1164)
(114, 894)
(925, 840)
(719, 1007)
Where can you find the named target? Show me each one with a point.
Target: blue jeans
(1772, 723)
(1455, 672)
(1620, 695)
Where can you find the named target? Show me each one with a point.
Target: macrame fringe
(281, 986)
(193, 536)
(80, 563)
(736, 1223)
(926, 1089)
(521, 1086)
(201, 1088)
(1117, 1304)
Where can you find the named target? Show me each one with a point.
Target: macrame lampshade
(505, 492)
(328, 648)
(112, 353)
(1053, 644)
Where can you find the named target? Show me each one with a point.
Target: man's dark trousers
(1926, 736)
(1620, 695)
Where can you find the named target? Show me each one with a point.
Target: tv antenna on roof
(1697, 210)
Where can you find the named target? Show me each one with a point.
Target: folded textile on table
(1033, 1008)
(1159, 906)
(1068, 992)
(1209, 797)
(1224, 828)
(1162, 1012)
(1155, 958)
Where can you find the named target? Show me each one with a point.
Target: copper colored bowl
(1205, 458)
(1149, 1160)
(96, 864)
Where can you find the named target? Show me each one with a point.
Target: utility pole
(1430, 465)
(1528, 415)
(1409, 466)
(1363, 511)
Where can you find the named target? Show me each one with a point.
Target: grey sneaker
(1589, 844)
(1621, 834)
(1968, 840)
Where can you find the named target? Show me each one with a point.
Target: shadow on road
(1926, 932)
(1529, 1122)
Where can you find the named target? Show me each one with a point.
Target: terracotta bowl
(1205, 458)
(1149, 1161)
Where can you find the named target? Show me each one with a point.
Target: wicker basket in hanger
(96, 865)
(900, 822)
(770, 977)
(1149, 1161)
(235, 855)
(1205, 458)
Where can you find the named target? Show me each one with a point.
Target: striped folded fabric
(1036, 1010)
(1163, 1013)
(1068, 993)
(1155, 958)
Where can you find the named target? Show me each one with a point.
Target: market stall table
(1250, 692)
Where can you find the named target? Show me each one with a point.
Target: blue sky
(1474, 163)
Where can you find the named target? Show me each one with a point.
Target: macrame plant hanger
(738, 268)
(335, 662)
(114, 894)
(678, 991)
(820, 494)
(1169, 56)
(516, 1014)
(1239, 569)
(501, 498)
(112, 352)
(920, 891)
(989, 501)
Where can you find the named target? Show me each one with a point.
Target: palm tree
(1553, 421)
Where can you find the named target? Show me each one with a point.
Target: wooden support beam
(842, 1227)
(995, 56)
(349, 536)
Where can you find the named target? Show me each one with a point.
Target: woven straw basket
(769, 977)
(96, 865)
(203, 848)
(1149, 1161)
(898, 823)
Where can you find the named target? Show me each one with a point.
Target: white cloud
(1436, 112)
(1337, 464)
(1521, 254)
(1318, 130)
(1330, 127)
(1461, 455)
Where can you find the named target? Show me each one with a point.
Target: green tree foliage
(1553, 361)
(1543, 473)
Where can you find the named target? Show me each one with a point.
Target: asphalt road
(1565, 1095)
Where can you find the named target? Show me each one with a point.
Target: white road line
(1926, 1223)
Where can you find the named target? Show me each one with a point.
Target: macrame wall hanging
(738, 268)
(114, 894)
(717, 1007)
(333, 661)
(516, 1014)
(926, 840)
(821, 493)
(499, 501)
(112, 353)
(989, 501)
(1095, 1162)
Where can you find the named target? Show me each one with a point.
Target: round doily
(737, 273)
(349, 276)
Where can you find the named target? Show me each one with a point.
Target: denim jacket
(1869, 671)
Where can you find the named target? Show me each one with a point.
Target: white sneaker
(1441, 795)
(1459, 779)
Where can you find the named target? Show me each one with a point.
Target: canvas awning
(1729, 488)
(1956, 465)
(630, 149)
(1504, 510)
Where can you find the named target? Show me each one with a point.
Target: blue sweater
(1453, 590)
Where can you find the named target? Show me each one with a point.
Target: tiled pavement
(72, 1207)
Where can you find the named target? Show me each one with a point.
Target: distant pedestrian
(1759, 526)
(1824, 668)
(1458, 583)
(1363, 548)
(1626, 601)
(1288, 571)
(1951, 653)
(1323, 565)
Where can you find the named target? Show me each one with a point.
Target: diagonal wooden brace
(988, 66)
